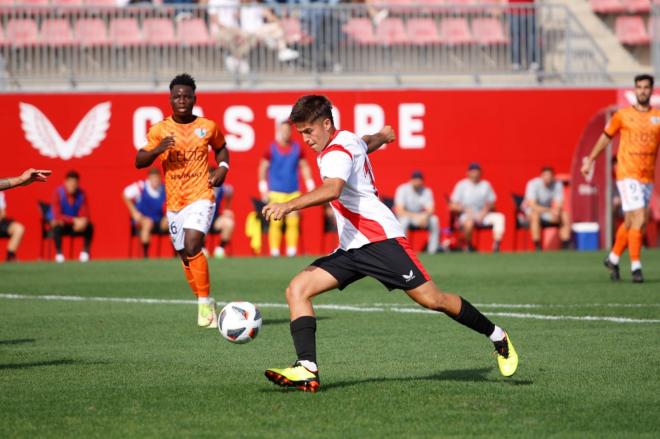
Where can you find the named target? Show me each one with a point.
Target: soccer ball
(239, 322)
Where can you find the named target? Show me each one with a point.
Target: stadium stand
(631, 30)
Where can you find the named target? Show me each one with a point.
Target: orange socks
(199, 269)
(635, 245)
(189, 278)
(621, 241)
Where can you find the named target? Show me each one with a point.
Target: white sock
(614, 258)
(635, 265)
(498, 334)
(309, 365)
(275, 252)
(291, 251)
(204, 300)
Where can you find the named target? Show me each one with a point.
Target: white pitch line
(334, 307)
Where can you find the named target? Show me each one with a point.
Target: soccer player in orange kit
(182, 142)
(638, 149)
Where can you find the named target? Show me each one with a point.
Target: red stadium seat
(92, 32)
(159, 31)
(56, 32)
(423, 31)
(392, 31)
(22, 32)
(638, 6)
(360, 30)
(631, 30)
(607, 6)
(193, 32)
(33, 2)
(125, 32)
(101, 3)
(488, 31)
(455, 31)
(6, 2)
(66, 2)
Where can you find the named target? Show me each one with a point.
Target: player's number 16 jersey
(361, 217)
(186, 164)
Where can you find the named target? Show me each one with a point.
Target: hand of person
(587, 166)
(275, 211)
(79, 223)
(217, 177)
(388, 134)
(31, 175)
(166, 143)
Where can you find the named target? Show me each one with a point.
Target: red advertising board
(512, 133)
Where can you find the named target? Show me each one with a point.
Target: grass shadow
(269, 322)
(461, 375)
(17, 341)
(60, 362)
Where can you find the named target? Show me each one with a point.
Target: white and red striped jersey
(361, 217)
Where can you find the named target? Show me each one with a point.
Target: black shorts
(392, 262)
(4, 227)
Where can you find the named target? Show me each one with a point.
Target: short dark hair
(548, 169)
(72, 174)
(645, 77)
(310, 108)
(183, 79)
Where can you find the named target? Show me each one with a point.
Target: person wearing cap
(145, 200)
(544, 206)
(414, 206)
(473, 199)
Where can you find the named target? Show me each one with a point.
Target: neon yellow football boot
(206, 315)
(295, 376)
(507, 357)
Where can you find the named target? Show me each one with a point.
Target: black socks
(303, 332)
(473, 319)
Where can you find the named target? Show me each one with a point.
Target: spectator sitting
(544, 206)
(223, 219)
(71, 216)
(145, 200)
(414, 206)
(10, 229)
(473, 199)
(241, 25)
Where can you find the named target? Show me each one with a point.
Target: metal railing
(376, 44)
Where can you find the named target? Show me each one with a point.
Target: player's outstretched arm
(588, 163)
(382, 137)
(27, 177)
(217, 177)
(328, 191)
(145, 158)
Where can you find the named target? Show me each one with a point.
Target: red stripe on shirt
(368, 227)
(403, 242)
(336, 148)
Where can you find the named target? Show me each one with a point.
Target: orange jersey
(186, 164)
(638, 147)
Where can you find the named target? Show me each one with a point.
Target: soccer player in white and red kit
(371, 243)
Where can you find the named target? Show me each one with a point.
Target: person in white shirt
(473, 199)
(371, 243)
(544, 206)
(242, 24)
(414, 206)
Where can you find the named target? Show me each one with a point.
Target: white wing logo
(43, 136)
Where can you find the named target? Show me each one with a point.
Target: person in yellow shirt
(182, 143)
(639, 126)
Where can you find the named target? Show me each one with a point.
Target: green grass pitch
(91, 369)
